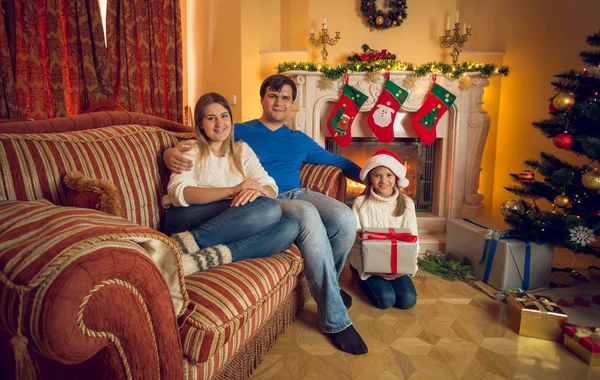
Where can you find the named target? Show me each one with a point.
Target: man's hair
(276, 83)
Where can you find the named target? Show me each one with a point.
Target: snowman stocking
(381, 117)
(437, 102)
(342, 117)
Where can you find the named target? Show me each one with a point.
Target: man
(327, 226)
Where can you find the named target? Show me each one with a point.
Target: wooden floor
(454, 332)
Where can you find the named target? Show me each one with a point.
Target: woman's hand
(390, 277)
(174, 160)
(248, 184)
(245, 196)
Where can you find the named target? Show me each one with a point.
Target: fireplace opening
(419, 160)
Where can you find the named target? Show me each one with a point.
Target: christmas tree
(573, 218)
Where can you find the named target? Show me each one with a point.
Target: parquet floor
(454, 332)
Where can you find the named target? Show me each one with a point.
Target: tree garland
(380, 20)
(446, 69)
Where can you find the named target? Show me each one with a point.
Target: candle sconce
(324, 39)
(456, 40)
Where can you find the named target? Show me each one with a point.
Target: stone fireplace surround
(461, 136)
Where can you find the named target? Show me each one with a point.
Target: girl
(383, 205)
(223, 210)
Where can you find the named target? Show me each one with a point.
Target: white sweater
(377, 213)
(213, 172)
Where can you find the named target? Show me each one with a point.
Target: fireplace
(419, 160)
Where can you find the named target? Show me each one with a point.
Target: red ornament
(526, 176)
(564, 140)
(553, 110)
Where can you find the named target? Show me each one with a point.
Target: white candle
(312, 31)
(464, 31)
(457, 19)
(469, 27)
(325, 23)
(448, 23)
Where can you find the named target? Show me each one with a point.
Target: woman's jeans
(384, 293)
(327, 232)
(256, 229)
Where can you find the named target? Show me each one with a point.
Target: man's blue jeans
(384, 293)
(256, 229)
(327, 232)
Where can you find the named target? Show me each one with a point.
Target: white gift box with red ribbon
(389, 251)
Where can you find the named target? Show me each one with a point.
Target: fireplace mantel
(461, 132)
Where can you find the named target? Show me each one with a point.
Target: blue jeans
(384, 293)
(256, 229)
(327, 232)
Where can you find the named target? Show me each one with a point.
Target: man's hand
(245, 196)
(175, 161)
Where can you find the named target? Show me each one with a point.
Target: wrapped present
(496, 259)
(389, 250)
(536, 317)
(585, 342)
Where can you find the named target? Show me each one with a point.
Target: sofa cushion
(95, 193)
(239, 295)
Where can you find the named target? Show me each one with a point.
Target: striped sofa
(86, 294)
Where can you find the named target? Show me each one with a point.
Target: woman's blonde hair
(229, 147)
(400, 202)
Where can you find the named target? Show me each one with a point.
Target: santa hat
(384, 157)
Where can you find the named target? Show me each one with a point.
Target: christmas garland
(380, 20)
(446, 69)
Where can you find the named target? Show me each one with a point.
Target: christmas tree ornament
(382, 116)
(591, 180)
(562, 201)
(526, 176)
(553, 110)
(465, 83)
(511, 207)
(344, 112)
(408, 83)
(563, 101)
(564, 140)
(324, 84)
(582, 235)
(437, 102)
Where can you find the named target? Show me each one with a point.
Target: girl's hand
(245, 196)
(248, 184)
(175, 161)
(391, 277)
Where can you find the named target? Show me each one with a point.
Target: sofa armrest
(74, 293)
(325, 179)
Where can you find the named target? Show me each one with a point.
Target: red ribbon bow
(394, 237)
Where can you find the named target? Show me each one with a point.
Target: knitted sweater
(377, 213)
(213, 172)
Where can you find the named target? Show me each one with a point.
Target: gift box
(389, 250)
(536, 317)
(496, 259)
(584, 342)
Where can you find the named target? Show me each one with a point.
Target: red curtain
(145, 53)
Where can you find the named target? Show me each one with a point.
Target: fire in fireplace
(418, 158)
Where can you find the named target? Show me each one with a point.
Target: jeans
(327, 232)
(256, 229)
(384, 293)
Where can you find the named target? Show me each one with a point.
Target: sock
(196, 259)
(436, 103)
(381, 117)
(347, 298)
(349, 341)
(342, 117)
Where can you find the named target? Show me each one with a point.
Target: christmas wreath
(378, 19)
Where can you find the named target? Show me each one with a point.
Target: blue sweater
(283, 151)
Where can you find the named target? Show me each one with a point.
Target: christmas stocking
(437, 102)
(343, 115)
(381, 117)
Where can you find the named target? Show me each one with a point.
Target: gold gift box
(591, 358)
(536, 317)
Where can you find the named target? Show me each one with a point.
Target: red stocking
(342, 117)
(381, 117)
(437, 102)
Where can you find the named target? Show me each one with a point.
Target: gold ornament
(374, 76)
(508, 208)
(324, 84)
(562, 201)
(379, 20)
(563, 101)
(465, 83)
(591, 180)
(408, 83)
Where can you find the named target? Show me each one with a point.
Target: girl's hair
(400, 203)
(229, 147)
